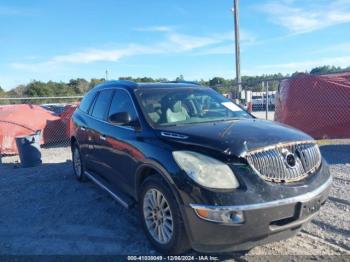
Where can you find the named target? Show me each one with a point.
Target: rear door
(97, 126)
(81, 121)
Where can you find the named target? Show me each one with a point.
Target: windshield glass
(179, 106)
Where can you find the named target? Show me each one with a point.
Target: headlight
(205, 170)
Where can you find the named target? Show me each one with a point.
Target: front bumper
(262, 223)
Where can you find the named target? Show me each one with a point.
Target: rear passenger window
(102, 104)
(86, 102)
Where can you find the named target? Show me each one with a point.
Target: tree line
(79, 86)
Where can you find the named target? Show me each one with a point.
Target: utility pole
(235, 11)
(267, 99)
(106, 75)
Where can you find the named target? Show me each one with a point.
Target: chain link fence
(259, 97)
(27, 115)
(316, 104)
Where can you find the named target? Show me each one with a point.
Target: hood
(233, 137)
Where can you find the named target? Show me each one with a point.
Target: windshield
(179, 106)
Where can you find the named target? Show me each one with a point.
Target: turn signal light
(220, 215)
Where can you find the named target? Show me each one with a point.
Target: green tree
(18, 91)
(2, 92)
(180, 78)
(325, 70)
(79, 86)
(38, 88)
(145, 80)
(95, 81)
(216, 81)
(127, 78)
(142, 79)
(203, 82)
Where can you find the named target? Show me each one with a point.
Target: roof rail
(182, 82)
(122, 82)
(116, 82)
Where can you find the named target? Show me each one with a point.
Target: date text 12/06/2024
(173, 258)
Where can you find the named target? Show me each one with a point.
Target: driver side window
(121, 103)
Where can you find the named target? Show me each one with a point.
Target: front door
(122, 155)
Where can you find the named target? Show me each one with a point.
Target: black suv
(204, 173)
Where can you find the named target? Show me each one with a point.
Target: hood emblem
(289, 158)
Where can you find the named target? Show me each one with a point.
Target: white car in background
(258, 102)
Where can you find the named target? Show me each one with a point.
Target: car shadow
(45, 211)
(336, 154)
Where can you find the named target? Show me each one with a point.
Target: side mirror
(121, 119)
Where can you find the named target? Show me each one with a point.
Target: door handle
(82, 128)
(103, 137)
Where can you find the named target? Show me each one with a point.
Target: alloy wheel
(158, 216)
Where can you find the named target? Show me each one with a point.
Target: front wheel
(161, 217)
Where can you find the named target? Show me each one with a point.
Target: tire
(173, 241)
(78, 163)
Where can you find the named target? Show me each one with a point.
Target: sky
(63, 39)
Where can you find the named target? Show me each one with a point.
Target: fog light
(220, 215)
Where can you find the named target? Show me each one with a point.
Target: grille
(285, 163)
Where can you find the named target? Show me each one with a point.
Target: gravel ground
(44, 210)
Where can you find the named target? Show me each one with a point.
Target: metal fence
(62, 100)
(260, 97)
(316, 104)
(26, 115)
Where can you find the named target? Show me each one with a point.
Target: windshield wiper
(203, 122)
(221, 120)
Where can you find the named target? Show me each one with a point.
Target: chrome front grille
(285, 163)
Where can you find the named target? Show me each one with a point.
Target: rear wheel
(161, 217)
(78, 166)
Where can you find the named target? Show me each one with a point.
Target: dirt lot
(44, 210)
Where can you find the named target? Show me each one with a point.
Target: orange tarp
(20, 120)
(318, 105)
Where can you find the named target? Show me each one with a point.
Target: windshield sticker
(231, 106)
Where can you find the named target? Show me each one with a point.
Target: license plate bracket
(311, 207)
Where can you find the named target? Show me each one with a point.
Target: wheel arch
(153, 169)
(73, 140)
